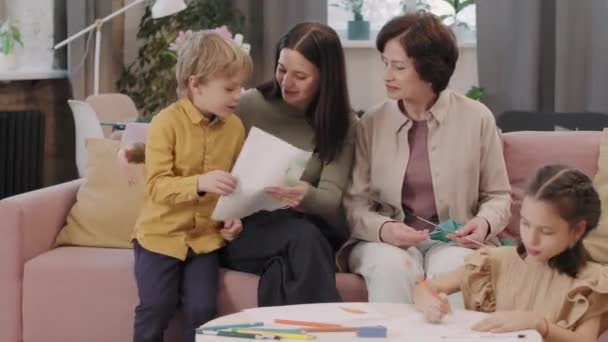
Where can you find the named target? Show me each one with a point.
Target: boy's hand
(436, 309)
(232, 229)
(134, 153)
(218, 182)
(125, 167)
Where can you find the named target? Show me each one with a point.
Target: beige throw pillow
(106, 205)
(597, 241)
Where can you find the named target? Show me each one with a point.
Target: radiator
(21, 152)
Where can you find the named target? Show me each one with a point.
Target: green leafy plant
(457, 5)
(150, 79)
(475, 93)
(354, 6)
(9, 35)
(419, 5)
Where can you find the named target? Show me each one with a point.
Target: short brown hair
(207, 54)
(426, 40)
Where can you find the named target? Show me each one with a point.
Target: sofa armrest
(29, 224)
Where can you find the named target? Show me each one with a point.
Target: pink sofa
(88, 294)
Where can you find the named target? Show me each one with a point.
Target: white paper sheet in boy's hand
(264, 161)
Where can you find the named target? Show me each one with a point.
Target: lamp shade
(163, 8)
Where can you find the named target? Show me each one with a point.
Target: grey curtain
(80, 14)
(2, 9)
(267, 20)
(543, 55)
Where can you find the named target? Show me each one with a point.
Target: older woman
(425, 156)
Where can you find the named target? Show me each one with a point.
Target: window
(378, 12)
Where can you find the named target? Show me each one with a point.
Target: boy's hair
(207, 55)
(573, 196)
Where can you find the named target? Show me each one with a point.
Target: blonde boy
(190, 150)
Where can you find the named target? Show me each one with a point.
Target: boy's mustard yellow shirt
(181, 145)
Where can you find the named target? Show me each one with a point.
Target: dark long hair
(329, 111)
(573, 196)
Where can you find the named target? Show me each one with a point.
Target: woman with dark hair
(307, 105)
(426, 156)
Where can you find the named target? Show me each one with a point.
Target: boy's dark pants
(165, 283)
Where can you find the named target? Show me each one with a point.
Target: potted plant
(358, 28)
(414, 5)
(150, 79)
(462, 31)
(475, 93)
(9, 36)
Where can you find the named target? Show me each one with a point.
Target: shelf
(32, 74)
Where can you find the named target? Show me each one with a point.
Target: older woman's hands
(401, 235)
(476, 229)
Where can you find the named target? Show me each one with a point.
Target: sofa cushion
(79, 294)
(89, 294)
(107, 206)
(526, 152)
(597, 241)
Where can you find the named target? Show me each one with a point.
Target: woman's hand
(401, 235)
(476, 229)
(232, 229)
(290, 196)
(507, 321)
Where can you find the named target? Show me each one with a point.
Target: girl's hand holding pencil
(434, 306)
(437, 308)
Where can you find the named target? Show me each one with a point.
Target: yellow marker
(289, 336)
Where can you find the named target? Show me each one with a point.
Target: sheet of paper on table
(455, 327)
(347, 314)
(264, 161)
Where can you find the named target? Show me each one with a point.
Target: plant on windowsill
(461, 29)
(358, 28)
(150, 79)
(475, 93)
(9, 37)
(414, 5)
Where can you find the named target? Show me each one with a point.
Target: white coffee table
(404, 323)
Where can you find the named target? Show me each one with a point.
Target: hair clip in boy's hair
(223, 31)
(181, 39)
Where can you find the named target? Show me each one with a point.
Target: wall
(132, 19)
(37, 30)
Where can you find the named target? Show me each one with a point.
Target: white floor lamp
(161, 8)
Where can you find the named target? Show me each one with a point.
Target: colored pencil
(289, 336)
(307, 324)
(232, 326)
